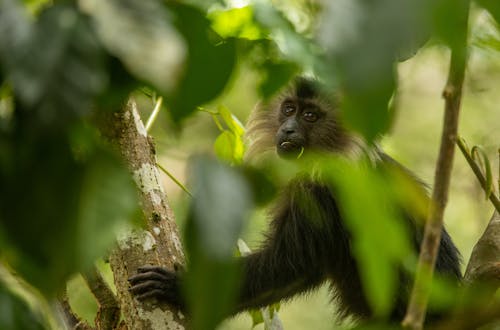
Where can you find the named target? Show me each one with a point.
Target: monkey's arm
(294, 257)
(287, 265)
(274, 274)
(278, 271)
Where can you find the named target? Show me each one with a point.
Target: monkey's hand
(157, 282)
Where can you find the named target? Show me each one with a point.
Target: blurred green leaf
(141, 35)
(380, 239)
(493, 6)
(16, 313)
(261, 183)
(210, 62)
(107, 200)
(229, 147)
(448, 17)
(237, 22)
(231, 121)
(221, 204)
(276, 75)
(363, 40)
(57, 212)
(15, 30)
(294, 46)
(59, 68)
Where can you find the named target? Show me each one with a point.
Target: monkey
(304, 249)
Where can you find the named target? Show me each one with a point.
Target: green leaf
(237, 22)
(262, 184)
(107, 200)
(221, 204)
(141, 35)
(59, 66)
(380, 240)
(210, 62)
(276, 75)
(17, 314)
(492, 6)
(231, 121)
(229, 147)
(448, 17)
(59, 206)
(363, 40)
(15, 29)
(294, 46)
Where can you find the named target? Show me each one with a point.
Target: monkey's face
(301, 119)
(309, 124)
(297, 119)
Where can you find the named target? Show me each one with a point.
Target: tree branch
(452, 93)
(158, 243)
(108, 314)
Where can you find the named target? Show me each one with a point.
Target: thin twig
(108, 314)
(154, 114)
(415, 314)
(173, 178)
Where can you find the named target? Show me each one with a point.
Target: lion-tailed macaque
(301, 250)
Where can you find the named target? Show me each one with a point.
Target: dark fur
(307, 243)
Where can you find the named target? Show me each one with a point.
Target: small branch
(173, 178)
(108, 314)
(154, 114)
(415, 314)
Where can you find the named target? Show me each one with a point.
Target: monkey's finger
(157, 269)
(151, 294)
(148, 286)
(142, 277)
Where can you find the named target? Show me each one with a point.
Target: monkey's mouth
(289, 149)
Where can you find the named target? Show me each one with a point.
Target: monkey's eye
(310, 116)
(288, 109)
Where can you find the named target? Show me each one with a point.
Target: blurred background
(413, 138)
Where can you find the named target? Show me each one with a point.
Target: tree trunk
(158, 243)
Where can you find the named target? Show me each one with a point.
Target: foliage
(63, 192)
(221, 202)
(16, 313)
